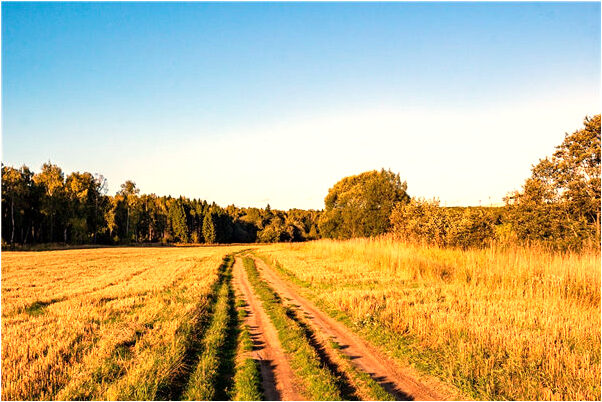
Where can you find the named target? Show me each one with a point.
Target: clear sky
(250, 103)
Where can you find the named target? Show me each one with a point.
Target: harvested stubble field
(109, 323)
(325, 320)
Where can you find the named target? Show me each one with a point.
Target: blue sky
(250, 103)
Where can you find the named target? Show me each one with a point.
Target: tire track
(278, 379)
(397, 381)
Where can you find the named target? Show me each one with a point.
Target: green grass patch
(213, 373)
(364, 381)
(247, 378)
(38, 307)
(247, 382)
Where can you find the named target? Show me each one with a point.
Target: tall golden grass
(499, 323)
(101, 323)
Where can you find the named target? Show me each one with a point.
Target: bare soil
(402, 382)
(278, 379)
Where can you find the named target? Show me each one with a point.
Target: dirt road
(403, 383)
(278, 380)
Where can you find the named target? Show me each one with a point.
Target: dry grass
(116, 323)
(101, 323)
(511, 323)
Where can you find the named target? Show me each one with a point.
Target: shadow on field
(391, 388)
(348, 391)
(267, 367)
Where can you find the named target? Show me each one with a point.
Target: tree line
(49, 207)
(559, 205)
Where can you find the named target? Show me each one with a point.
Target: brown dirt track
(278, 379)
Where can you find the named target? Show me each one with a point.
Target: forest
(559, 206)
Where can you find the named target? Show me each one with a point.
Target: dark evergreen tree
(210, 227)
(177, 218)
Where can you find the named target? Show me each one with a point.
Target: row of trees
(376, 202)
(558, 205)
(47, 207)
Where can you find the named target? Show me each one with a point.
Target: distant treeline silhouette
(558, 206)
(47, 207)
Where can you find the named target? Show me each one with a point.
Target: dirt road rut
(400, 382)
(278, 380)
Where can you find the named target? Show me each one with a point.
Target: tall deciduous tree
(51, 179)
(561, 199)
(129, 192)
(80, 191)
(100, 190)
(17, 198)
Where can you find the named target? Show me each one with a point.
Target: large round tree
(360, 205)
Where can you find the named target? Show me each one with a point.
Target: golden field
(108, 323)
(117, 323)
(498, 323)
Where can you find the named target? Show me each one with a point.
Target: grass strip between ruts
(318, 381)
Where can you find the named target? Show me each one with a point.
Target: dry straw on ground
(101, 323)
(517, 323)
(116, 323)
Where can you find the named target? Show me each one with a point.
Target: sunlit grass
(516, 323)
(101, 323)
